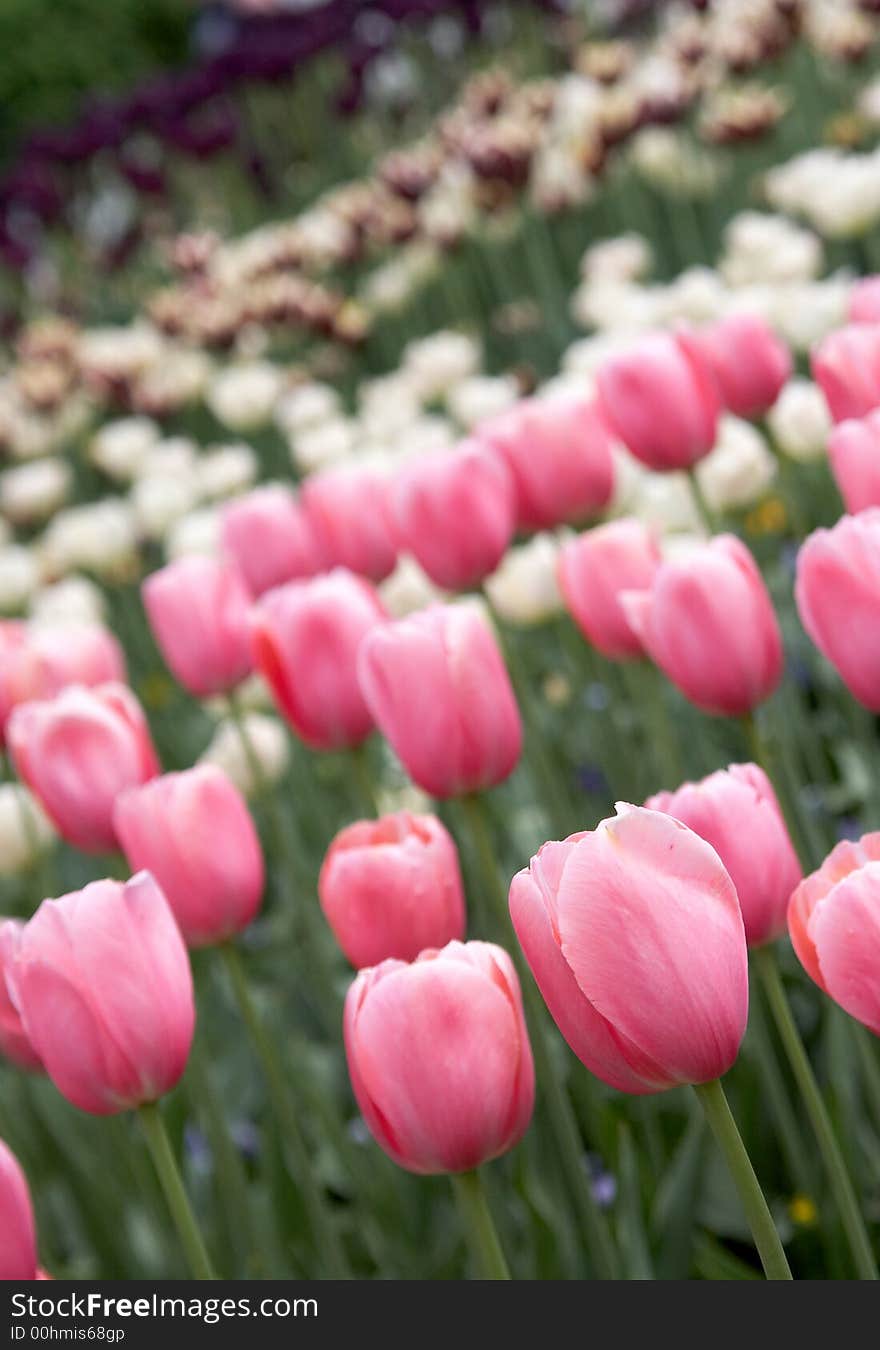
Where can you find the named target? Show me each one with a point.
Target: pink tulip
(101, 979)
(349, 512)
(736, 811)
(306, 637)
(269, 539)
(438, 688)
(660, 398)
(558, 451)
(846, 366)
(635, 937)
(708, 623)
(456, 513)
(838, 598)
(18, 1240)
(14, 1043)
(594, 569)
(37, 661)
(198, 609)
(194, 833)
(864, 301)
(834, 922)
(77, 752)
(439, 1057)
(749, 362)
(854, 451)
(391, 888)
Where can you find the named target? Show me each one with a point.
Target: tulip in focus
(854, 451)
(846, 365)
(349, 513)
(77, 752)
(594, 569)
(18, 1241)
(749, 362)
(438, 688)
(268, 537)
(102, 983)
(198, 608)
(708, 623)
(14, 1043)
(390, 888)
(736, 811)
(634, 934)
(194, 833)
(439, 1057)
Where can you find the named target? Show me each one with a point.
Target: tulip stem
(361, 771)
(704, 510)
(847, 1203)
(293, 1144)
(172, 1184)
(729, 1140)
(476, 1218)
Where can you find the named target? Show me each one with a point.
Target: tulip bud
(14, 1043)
(854, 451)
(659, 397)
(253, 753)
(846, 366)
(391, 888)
(834, 923)
(198, 609)
(749, 362)
(634, 935)
(439, 1057)
(736, 811)
(25, 832)
(595, 569)
(348, 510)
(708, 623)
(268, 537)
(77, 752)
(864, 301)
(456, 512)
(524, 589)
(18, 1241)
(37, 661)
(102, 982)
(306, 637)
(799, 421)
(838, 598)
(194, 833)
(438, 688)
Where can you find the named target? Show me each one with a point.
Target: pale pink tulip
(864, 301)
(268, 537)
(749, 362)
(18, 1240)
(846, 366)
(594, 569)
(854, 451)
(198, 608)
(349, 512)
(14, 1043)
(37, 661)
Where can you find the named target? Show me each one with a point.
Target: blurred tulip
(102, 981)
(14, 1043)
(854, 451)
(634, 934)
(198, 609)
(846, 366)
(77, 752)
(736, 811)
(391, 888)
(268, 537)
(18, 1241)
(864, 301)
(799, 421)
(456, 512)
(838, 598)
(349, 512)
(708, 623)
(659, 396)
(594, 569)
(524, 590)
(439, 1057)
(558, 451)
(306, 638)
(438, 688)
(37, 661)
(194, 833)
(749, 362)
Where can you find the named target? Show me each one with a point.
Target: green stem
(704, 510)
(476, 1218)
(323, 1228)
(723, 1126)
(866, 1045)
(847, 1204)
(363, 778)
(172, 1184)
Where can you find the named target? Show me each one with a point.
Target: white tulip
(100, 537)
(267, 745)
(739, 469)
(523, 589)
(477, 397)
(19, 577)
(25, 830)
(243, 396)
(72, 600)
(800, 422)
(227, 470)
(31, 493)
(407, 589)
(119, 448)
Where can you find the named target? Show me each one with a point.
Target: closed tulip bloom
(838, 598)
(834, 923)
(635, 937)
(306, 637)
(194, 833)
(456, 513)
(14, 1043)
(37, 661)
(439, 1057)
(269, 539)
(102, 981)
(854, 451)
(438, 688)
(708, 623)
(864, 301)
(77, 752)
(846, 366)
(594, 570)
(391, 888)
(348, 509)
(659, 396)
(558, 451)
(18, 1241)
(198, 608)
(749, 362)
(736, 811)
